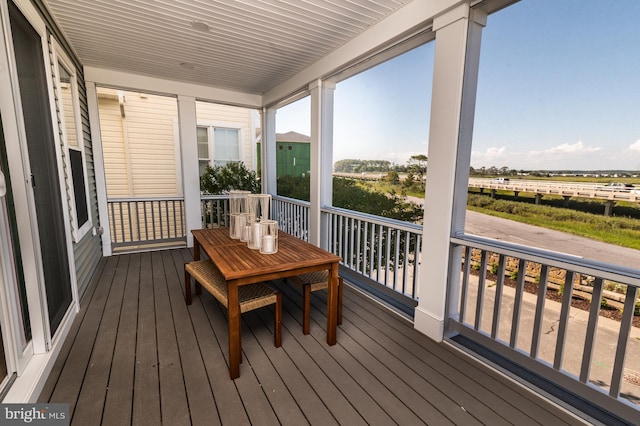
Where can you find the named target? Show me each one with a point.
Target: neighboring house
(141, 143)
(292, 154)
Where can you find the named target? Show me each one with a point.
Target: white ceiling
(249, 46)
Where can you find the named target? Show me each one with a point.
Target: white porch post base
(428, 324)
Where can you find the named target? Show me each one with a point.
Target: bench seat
(250, 297)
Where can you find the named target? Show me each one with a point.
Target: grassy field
(622, 231)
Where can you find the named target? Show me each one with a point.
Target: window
(217, 146)
(70, 133)
(227, 146)
(203, 149)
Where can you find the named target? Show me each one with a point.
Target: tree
(298, 187)
(221, 179)
(347, 194)
(408, 180)
(393, 177)
(418, 165)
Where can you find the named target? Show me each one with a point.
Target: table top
(236, 261)
(214, 237)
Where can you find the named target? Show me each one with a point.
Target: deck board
(479, 396)
(136, 354)
(94, 387)
(146, 382)
(120, 387)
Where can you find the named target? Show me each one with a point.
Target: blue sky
(559, 88)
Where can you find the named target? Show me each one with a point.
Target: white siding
(139, 144)
(115, 164)
(217, 115)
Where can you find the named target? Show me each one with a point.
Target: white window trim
(210, 125)
(59, 56)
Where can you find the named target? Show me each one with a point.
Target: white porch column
(190, 168)
(98, 164)
(268, 151)
(321, 155)
(453, 102)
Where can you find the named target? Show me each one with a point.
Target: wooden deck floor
(138, 355)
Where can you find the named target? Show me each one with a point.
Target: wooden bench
(250, 297)
(315, 281)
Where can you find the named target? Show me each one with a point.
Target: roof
(292, 137)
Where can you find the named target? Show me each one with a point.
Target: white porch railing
(146, 221)
(381, 255)
(386, 251)
(292, 216)
(214, 210)
(594, 358)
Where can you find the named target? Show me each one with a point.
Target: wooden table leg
(332, 306)
(234, 331)
(196, 249)
(196, 256)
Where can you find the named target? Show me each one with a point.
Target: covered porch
(131, 351)
(136, 354)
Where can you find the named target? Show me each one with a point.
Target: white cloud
(567, 148)
(564, 156)
(635, 146)
(494, 152)
(489, 157)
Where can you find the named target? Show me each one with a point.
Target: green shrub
(222, 179)
(493, 268)
(514, 274)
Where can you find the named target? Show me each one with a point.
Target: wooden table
(240, 266)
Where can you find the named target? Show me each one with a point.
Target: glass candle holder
(238, 222)
(269, 230)
(237, 206)
(259, 205)
(255, 237)
(247, 220)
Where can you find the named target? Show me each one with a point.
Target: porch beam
(136, 82)
(190, 168)
(406, 21)
(458, 33)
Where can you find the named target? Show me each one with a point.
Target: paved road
(519, 233)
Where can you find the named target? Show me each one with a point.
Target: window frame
(211, 126)
(60, 58)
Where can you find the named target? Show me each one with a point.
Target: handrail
(142, 199)
(378, 220)
(555, 259)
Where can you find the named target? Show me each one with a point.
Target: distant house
(292, 154)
